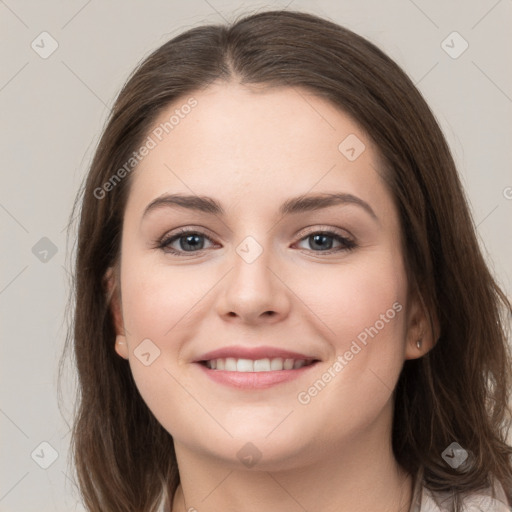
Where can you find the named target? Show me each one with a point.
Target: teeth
(262, 365)
(288, 364)
(276, 364)
(244, 365)
(231, 364)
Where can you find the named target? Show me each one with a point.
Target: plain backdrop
(54, 106)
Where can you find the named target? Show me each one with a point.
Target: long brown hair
(458, 392)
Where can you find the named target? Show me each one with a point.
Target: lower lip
(254, 380)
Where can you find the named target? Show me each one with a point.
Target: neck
(360, 474)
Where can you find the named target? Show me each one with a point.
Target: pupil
(193, 244)
(322, 237)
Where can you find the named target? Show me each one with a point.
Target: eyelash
(164, 243)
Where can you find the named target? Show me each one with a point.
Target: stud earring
(418, 344)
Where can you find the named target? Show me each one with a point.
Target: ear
(422, 327)
(110, 280)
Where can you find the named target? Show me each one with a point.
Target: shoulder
(425, 500)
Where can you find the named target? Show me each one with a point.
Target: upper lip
(255, 353)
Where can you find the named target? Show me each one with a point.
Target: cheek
(363, 308)
(157, 306)
(353, 298)
(158, 298)
(161, 308)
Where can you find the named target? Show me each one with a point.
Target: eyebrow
(295, 205)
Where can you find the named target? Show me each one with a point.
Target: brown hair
(457, 392)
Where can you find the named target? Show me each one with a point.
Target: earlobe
(114, 304)
(422, 329)
(121, 346)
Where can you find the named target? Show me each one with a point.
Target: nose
(253, 291)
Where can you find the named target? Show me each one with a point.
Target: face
(274, 319)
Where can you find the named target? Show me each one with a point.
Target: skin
(252, 148)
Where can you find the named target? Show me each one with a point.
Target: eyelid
(315, 228)
(200, 230)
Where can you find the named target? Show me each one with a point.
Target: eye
(322, 240)
(187, 239)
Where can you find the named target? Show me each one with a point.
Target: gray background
(53, 110)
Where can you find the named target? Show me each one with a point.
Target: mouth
(275, 364)
(253, 368)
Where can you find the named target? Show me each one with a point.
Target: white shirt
(424, 500)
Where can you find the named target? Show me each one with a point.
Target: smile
(231, 364)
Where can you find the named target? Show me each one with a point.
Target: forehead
(254, 143)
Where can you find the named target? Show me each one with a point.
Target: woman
(337, 342)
